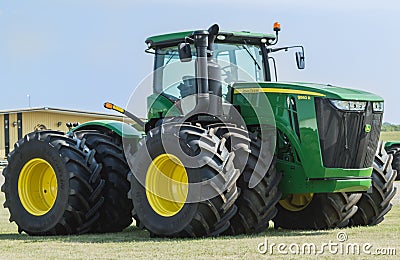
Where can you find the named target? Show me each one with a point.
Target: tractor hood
(308, 89)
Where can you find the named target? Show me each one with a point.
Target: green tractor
(393, 148)
(225, 150)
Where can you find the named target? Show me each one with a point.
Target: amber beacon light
(277, 26)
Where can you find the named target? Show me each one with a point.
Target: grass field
(390, 136)
(135, 243)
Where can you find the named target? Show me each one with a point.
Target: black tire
(197, 219)
(325, 211)
(77, 182)
(115, 213)
(374, 205)
(256, 205)
(395, 151)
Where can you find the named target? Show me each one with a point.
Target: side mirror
(300, 60)
(185, 52)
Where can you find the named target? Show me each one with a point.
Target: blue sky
(78, 54)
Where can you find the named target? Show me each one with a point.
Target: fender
(122, 129)
(391, 144)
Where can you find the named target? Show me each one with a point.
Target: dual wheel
(57, 184)
(395, 152)
(52, 185)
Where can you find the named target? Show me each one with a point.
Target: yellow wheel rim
(166, 185)
(296, 202)
(37, 187)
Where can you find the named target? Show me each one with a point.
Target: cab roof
(169, 39)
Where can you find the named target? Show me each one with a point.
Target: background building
(14, 124)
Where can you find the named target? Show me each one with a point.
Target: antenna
(29, 100)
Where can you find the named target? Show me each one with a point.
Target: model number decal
(303, 97)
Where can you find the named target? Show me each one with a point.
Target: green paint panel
(122, 129)
(158, 106)
(168, 37)
(389, 144)
(296, 180)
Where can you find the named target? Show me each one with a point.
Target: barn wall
(32, 119)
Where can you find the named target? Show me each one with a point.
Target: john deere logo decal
(367, 128)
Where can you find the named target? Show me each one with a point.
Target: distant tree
(388, 127)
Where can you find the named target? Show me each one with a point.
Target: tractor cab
(240, 57)
(237, 57)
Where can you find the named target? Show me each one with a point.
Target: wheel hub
(37, 187)
(166, 185)
(296, 202)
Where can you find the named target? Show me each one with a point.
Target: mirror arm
(270, 50)
(151, 51)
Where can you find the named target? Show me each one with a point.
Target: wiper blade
(173, 53)
(251, 55)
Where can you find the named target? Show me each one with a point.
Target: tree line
(388, 127)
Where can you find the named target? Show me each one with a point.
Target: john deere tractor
(226, 150)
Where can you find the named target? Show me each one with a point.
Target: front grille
(343, 139)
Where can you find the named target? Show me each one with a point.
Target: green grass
(135, 243)
(390, 136)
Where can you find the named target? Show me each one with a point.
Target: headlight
(349, 105)
(377, 106)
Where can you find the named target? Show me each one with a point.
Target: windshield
(239, 63)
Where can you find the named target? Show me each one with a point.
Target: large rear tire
(315, 211)
(256, 205)
(395, 151)
(52, 185)
(115, 213)
(171, 215)
(374, 205)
